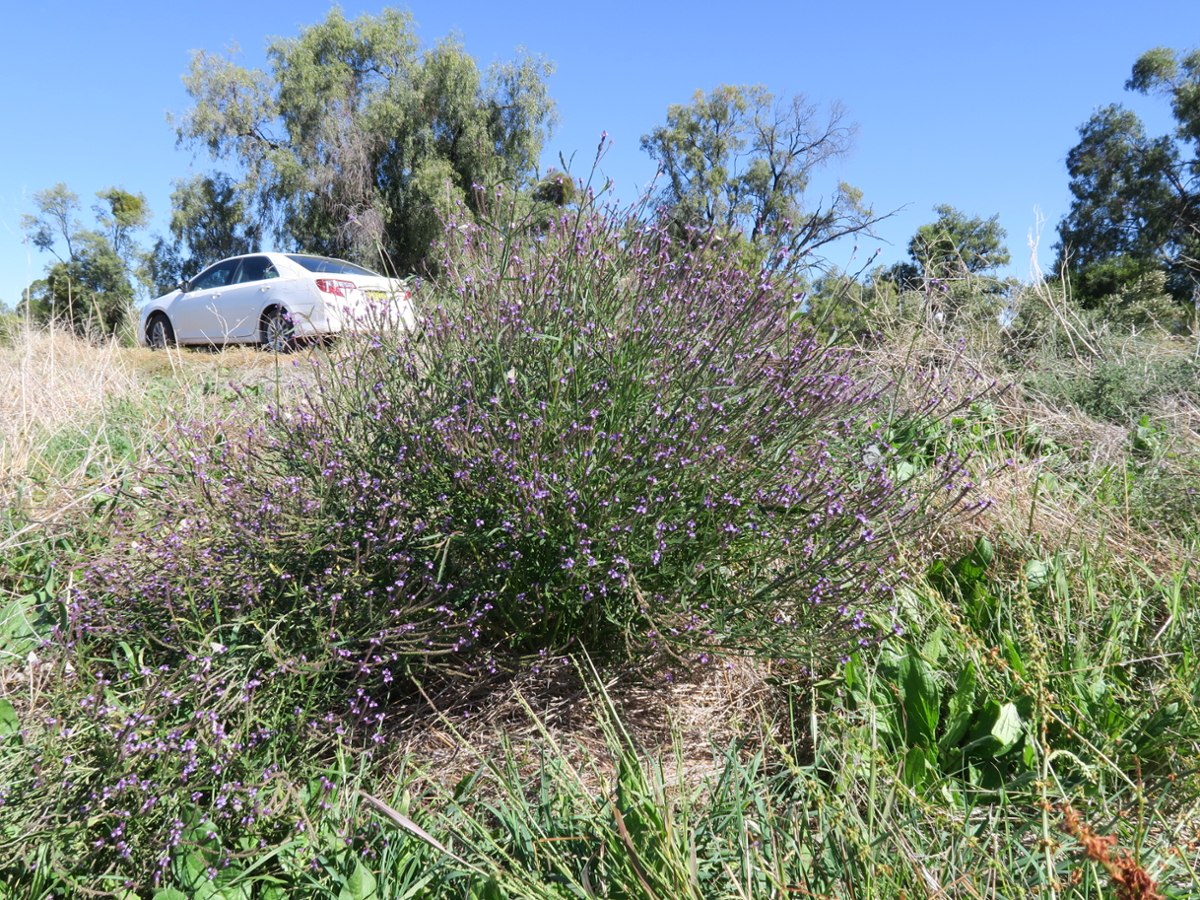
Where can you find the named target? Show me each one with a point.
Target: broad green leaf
(488, 889)
(201, 887)
(9, 723)
(915, 766)
(360, 885)
(972, 568)
(852, 675)
(1008, 728)
(999, 728)
(1037, 573)
(961, 708)
(920, 699)
(196, 867)
(932, 648)
(170, 894)
(196, 879)
(16, 630)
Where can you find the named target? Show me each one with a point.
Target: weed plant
(597, 439)
(1122, 390)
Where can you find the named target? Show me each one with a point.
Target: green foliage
(90, 293)
(1135, 195)
(11, 326)
(1027, 681)
(860, 308)
(556, 188)
(947, 278)
(1120, 389)
(208, 223)
(1143, 301)
(1107, 278)
(956, 247)
(737, 162)
(884, 303)
(358, 142)
(952, 737)
(91, 285)
(55, 218)
(1175, 76)
(121, 214)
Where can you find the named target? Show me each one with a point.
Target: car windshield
(323, 265)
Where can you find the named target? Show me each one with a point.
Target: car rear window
(324, 265)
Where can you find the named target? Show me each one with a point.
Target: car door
(240, 303)
(195, 314)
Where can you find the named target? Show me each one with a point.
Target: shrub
(11, 326)
(1119, 389)
(597, 440)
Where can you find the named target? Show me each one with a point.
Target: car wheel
(159, 333)
(278, 335)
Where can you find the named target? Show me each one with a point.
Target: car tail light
(335, 286)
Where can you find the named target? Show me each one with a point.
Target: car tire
(159, 333)
(277, 333)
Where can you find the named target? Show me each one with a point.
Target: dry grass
(49, 381)
(59, 402)
(1028, 500)
(53, 384)
(681, 720)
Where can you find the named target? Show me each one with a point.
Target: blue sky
(975, 105)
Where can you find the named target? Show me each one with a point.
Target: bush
(596, 441)
(11, 326)
(1119, 390)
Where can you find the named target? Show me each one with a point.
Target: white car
(274, 299)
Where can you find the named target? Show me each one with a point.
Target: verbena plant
(597, 439)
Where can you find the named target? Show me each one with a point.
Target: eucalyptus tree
(358, 141)
(740, 162)
(954, 247)
(1136, 206)
(208, 223)
(91, 282)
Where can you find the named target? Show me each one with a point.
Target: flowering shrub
(140, 764)
(596, 440)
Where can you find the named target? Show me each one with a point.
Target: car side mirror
(183, 287)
